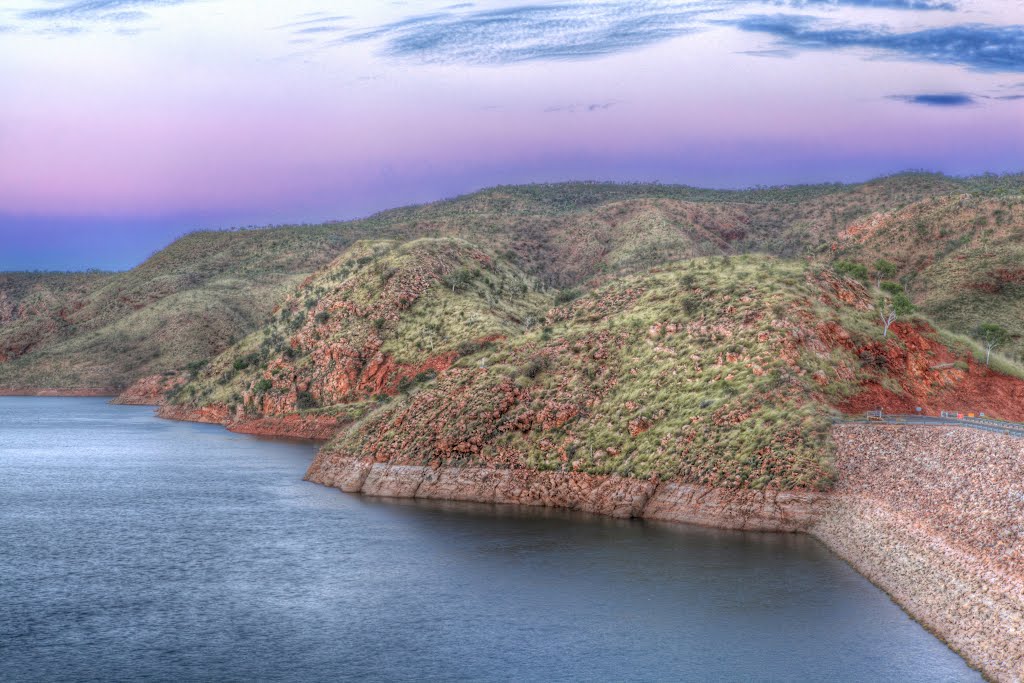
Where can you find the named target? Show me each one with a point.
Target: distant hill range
(958, 245)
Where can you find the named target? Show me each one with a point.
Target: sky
(126, 123)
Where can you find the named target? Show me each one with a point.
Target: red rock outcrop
(150, 391)
(295, 425)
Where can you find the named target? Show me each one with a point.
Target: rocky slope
(961, 257)
(709, 372)
(152, 390)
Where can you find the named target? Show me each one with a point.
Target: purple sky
(125, 123)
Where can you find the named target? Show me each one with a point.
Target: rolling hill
(955, 242)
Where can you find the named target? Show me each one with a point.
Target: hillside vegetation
(719, 371)
(724, 371)
(960, 256)
(955, 241)
(184, 304)
(379, 319)
(34, 308)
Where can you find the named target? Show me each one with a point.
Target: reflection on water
(132, 547)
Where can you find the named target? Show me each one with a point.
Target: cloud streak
(977, 46)
(535, 32)
(573, 108)
(916, 5)
(574, 31)
(937, 99)
(112, 10)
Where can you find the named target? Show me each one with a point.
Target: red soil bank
(927, 373)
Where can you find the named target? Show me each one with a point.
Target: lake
(138, 548)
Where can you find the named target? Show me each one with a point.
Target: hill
(961, 257)
(184, 304)
(725, 373)
(35, 307)
(191, 301)
(381, 318)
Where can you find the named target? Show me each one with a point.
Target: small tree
(890, 308)
(992, 336)
(460, 279)
(884, 270)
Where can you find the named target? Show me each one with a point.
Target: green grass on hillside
(381, 301)
(706, 371)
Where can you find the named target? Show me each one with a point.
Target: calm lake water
(136, 548)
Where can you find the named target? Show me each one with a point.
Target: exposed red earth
(932, 377)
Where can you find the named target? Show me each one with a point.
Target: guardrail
(946, 419)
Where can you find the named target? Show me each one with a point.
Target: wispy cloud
(573, 108)
(774, 53)
(462, 33)
(323, 23)
(918, 5)
(537, 32)
(113, 10)
(326, 28)
(955, 99)
(978, 46)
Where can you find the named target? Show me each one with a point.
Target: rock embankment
(605, 495)
(293, 426)
(935, 517)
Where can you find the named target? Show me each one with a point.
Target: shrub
(857, 271)
(195, 366)
(567, 295)
(536, 366)
(469, 347)
(263, 386)
(245, 361)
